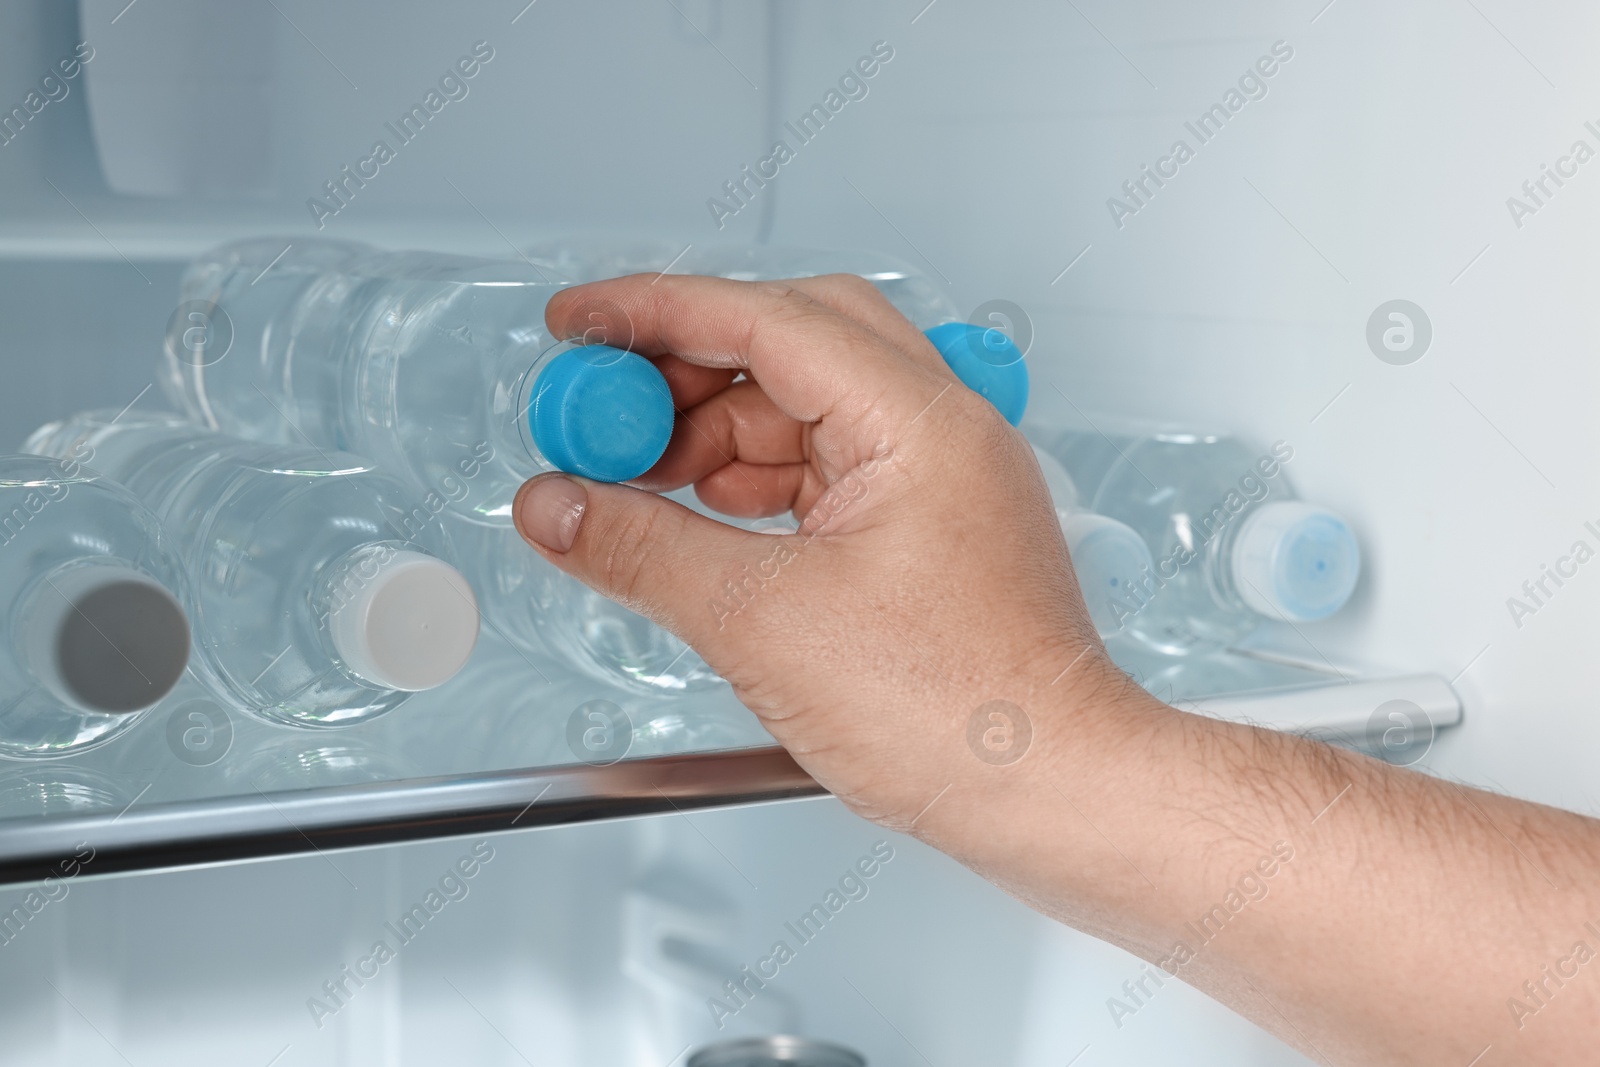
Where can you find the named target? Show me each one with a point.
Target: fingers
(690, 384)
(809, 358)
(747, 491)
(858, 299)
(738, 423)
(644, 551)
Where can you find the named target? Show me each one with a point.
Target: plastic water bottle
(1217, 673)
(1232, 544)
(95, 606)
(587, 258)
(912, 293)
(323, 596)
(519, 721)
(983, 356)
(610, 641)
(433, 365)
(1108, 557)
(593, 257)
(536, 608)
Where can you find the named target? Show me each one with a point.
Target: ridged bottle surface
(324, 592)
(96, 606)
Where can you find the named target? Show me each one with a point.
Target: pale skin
(933, 579)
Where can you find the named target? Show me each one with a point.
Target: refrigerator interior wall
(588, 946)
(1375, 164)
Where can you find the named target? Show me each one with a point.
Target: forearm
(1366, 913)
(1363, 912)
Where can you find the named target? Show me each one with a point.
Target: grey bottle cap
(108, 639)
(780, 1050)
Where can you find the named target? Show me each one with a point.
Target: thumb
(648, 553)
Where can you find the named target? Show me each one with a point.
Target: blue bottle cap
(987, 362)
(601, 413)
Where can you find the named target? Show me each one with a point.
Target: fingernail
(549, 509)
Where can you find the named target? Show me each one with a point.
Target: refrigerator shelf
(193, 833)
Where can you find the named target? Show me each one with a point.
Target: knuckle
(981, 419)
(780, 291)
(853, 285)
(785, 309)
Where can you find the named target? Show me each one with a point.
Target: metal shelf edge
(225, 830)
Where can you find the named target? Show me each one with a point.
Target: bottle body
(584, 628)
(314, 576)
(1212, 674)
(96, 606)
(522, 720)
(1232, 545)
(413, 360)
(912, 293)
(536, 608)
(1108, 558)
(591, 258)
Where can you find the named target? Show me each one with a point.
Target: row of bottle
(386, 354)
(438, 368)
(303, 586)
(320, 590)
(1185, 542)
(325, 589)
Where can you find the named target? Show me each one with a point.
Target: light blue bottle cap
(1295, 561)
(601, 413)
(987, 362)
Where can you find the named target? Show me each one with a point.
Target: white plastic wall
(563, 948)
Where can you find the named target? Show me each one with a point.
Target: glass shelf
(507, 744)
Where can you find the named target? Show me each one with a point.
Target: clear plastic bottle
(912, 293)
(95, 602)
(983, 356)
(1108, 557)
(1217, 673)
(607, 639)
(537, 608)
(522, 720)
(587, 258)
(434, 365)
(55, 790)
(1233, 545)
(593, 257)
(322, 592)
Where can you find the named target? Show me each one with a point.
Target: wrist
(1029, 767)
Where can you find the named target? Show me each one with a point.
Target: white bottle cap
(411, 626)
(1111, 561)
(1295, 561)
(105, 638)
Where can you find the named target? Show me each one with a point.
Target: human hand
(929, 579)
(929, 575)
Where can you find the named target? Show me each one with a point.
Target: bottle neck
(518, 370)
(1221, 574)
